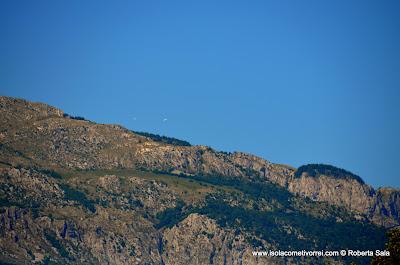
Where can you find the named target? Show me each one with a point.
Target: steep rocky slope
(136, 217)
(38, 134)
(381, 206)
(73, 191)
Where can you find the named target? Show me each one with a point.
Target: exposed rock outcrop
(76, 192)
(43, 136)
(199, 240)
(380, 206)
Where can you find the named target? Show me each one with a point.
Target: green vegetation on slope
(286, 227)
(188, 189)
(266, 190)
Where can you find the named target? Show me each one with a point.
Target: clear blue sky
(294, 82)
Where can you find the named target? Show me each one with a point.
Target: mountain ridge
(142, 151)
(91, 165)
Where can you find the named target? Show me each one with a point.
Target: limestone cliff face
(110, 204)
(118, 232)
(110, 237)
(386, 206)
(199, 240)
(40, 135)
(121, 231)
(341, 192)
(37, 221)
(46, 137)
(380, 206)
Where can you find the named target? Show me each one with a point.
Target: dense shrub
(171, 216)
(65, 115)
(78, 196)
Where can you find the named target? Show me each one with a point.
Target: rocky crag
(76, 192)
